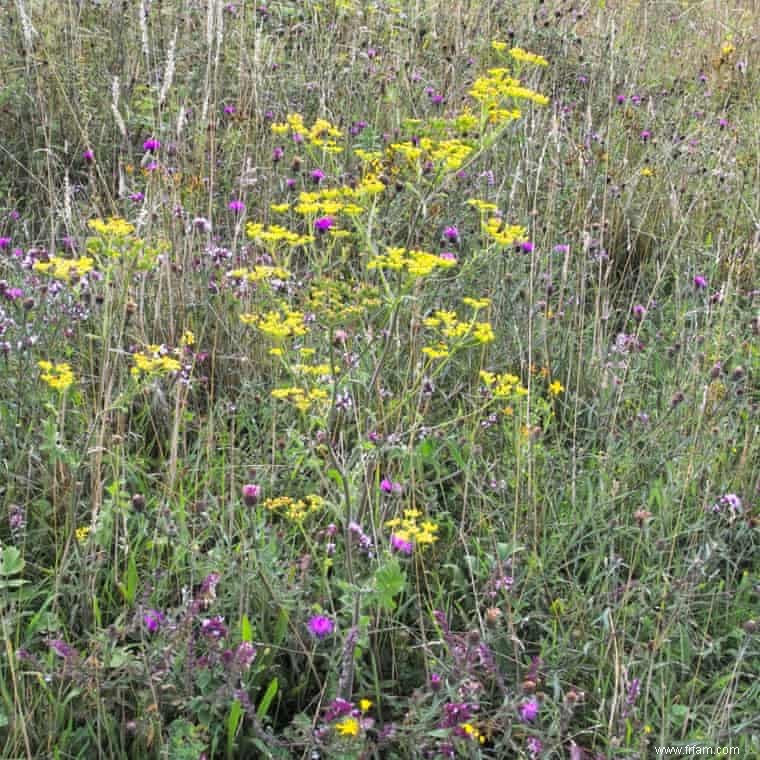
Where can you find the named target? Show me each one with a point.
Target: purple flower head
(620, 100)
(700, 282)
(639, 311)
(277, 154)
(436, 98)
(529, 711)
(251, 494)
(290, 183)
(451, 234)
(137, 197)
(562, 248)
(448, 256)
(214, 627)
(386, 485)
(61, 648)
(401, 545)
(338, 708)
(317, 176)
(88, 155)
(236, 206)
(527, 246)
(534, 746)
(244, 655)
(297, 138)
(13, 293)
(230, 109)
(435, 681)
(645, 134)
(455, 713)
(323, 224)
(153, 619)
(151, 145)
(208, 587)
(5, 242)
(320, 626)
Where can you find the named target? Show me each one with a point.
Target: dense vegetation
(379, 379)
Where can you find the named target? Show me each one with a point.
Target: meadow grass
(379, 379)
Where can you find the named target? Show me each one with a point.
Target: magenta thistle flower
(153, 619)
(151, 145)
(320, 626)
(700, 282)
(448, 256)
(317, 176)
(527, 246)
(529, 711)
(323, 224)
(639, 311)
(61, 648)
(251, 494)
(236, 206)
(435, 681)
(230, 109)
(277, 154)
(645, 135)
(5, 242)
(401, 545)
(88, 155)
(451, 234)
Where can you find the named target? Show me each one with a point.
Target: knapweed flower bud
(251, 494)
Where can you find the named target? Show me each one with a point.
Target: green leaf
(246, 632)
(233, 721)
(266, 700)
(11, 562)
(390, 581)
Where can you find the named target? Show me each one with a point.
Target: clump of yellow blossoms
(321, 134)
(416, 263)
(114, 227)
(348, 727)
(65, 269)
(450, 326)
(409, 528)
(154, 360)
(57, 376)
(295, 510)
(525, 57)
(504, 386)
(278, 324)
(504, 234)
(274, 233)
(301, 398)
(258, 273)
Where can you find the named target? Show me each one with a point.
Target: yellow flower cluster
(57, 376)
(409, 528)
(321, 134)
(504, 234)
(301, 398)
(525, 57)
(154, 360)
(278, 324)
(416, 263)
(65, 269)
(329, 201)
(82, 533)
(295, 510)
(503, 386)
(450, 153)
(259, 273)
(482, 206)
(498, 86)
(114, 227)
(348, 727)
(337, 300)
(276, 234)
(450, 326)
(471, 732)
(313, 370)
